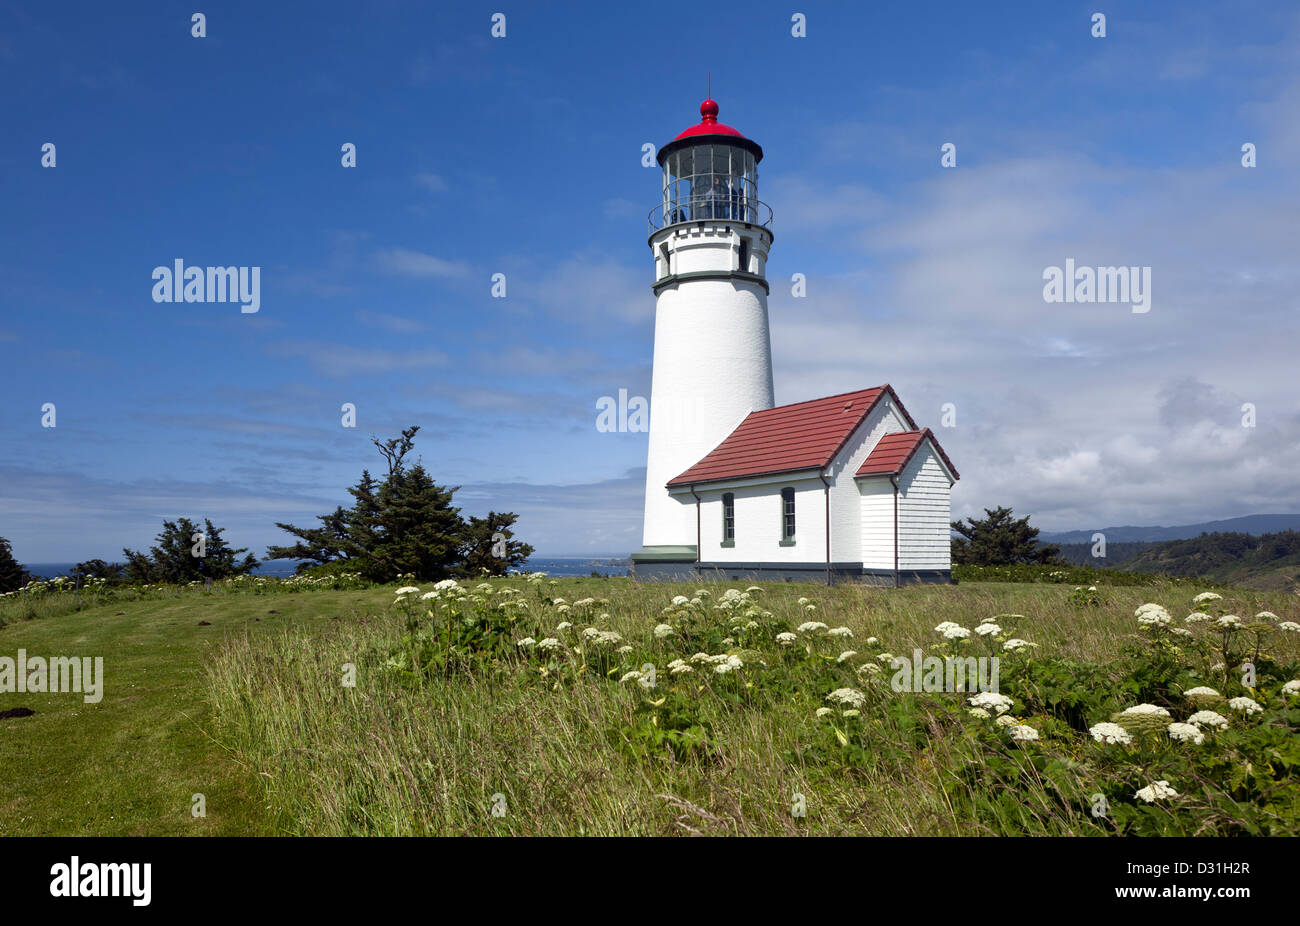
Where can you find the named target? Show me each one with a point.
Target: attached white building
(843, 487)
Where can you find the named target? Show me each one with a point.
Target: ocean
(282, 568)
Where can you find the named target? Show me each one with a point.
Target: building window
(744, 256)
(728, 519)
(787, 517)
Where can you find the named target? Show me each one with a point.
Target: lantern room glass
(710, 181)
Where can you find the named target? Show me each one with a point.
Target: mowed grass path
(130, 764)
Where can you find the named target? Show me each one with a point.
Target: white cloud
(415, 264)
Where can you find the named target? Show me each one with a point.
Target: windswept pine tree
(98, 569)
(404, 524)
(184, 553)
(1000, 540)
(12, 574)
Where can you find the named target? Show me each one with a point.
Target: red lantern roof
(709, 124)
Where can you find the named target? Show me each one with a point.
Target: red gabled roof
(894, 451)
(805, 435)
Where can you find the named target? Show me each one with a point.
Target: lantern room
(710, 173)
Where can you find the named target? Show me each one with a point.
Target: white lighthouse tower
(710, 238)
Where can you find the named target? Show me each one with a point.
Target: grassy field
(240, 696)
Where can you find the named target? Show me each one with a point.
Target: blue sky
(522, 155)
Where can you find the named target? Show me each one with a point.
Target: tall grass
(391, 757)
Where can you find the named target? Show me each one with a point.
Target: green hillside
(589, 706)
(1269, 561)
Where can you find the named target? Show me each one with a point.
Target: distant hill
(1255, 524)
(1267, 562)
(1080, 554)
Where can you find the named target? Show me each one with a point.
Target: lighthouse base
(665, 564)
(678, 564)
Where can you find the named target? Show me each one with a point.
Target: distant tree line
(402, 524)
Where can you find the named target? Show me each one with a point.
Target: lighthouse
(846, 487)
(709, 236)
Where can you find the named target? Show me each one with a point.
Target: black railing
(711, 208)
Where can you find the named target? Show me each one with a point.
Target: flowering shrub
(1085, 596)
(1168, 740)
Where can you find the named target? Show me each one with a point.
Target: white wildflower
(663, 630)
(1151, 613)
(1022, 733)
(1112, 734)
(846, 655)
(1211, 719)
(787, 638)
(1145, 709)
(1247, 706)
(848, 696)
(1203, 597)
(1156, 791)
(991, 699)
(1186, 733)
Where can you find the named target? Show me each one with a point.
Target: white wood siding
(847, 526)
(758, 523)
(923, 513)
(877, 500)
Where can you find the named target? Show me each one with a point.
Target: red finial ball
(709, 110)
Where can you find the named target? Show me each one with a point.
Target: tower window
(728, 519)
(787, 516)
(744, 255)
